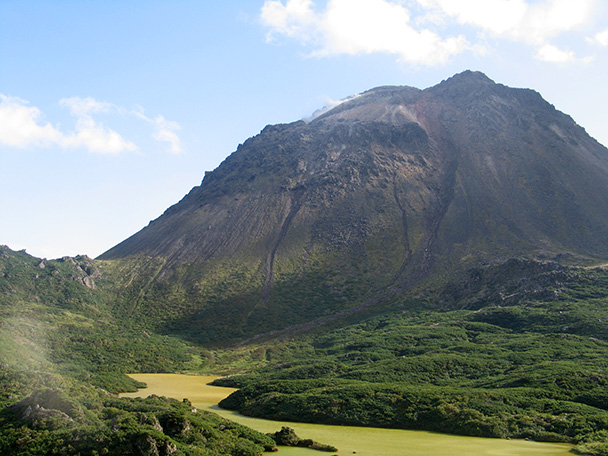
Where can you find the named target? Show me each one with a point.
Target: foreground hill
(62, 353)
(56, 320)
(389, 190)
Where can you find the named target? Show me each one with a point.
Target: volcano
(393, 188)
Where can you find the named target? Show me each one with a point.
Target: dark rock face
(382, 192)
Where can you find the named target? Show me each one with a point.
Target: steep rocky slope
(389, 190)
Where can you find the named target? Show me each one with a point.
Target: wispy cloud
(416, 31)
(25, 126)
(164, 130)
(82, 107)
(91, 134)
(330, 104)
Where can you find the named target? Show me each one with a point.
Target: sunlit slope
(56, 321)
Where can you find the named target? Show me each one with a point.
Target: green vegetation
(56, 319)
(87, 422)
(527, 359)
(62, 353)
(220, 303)
(516, 350)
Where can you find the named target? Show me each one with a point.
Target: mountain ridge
(454, 86)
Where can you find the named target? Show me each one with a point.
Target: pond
(361, 441)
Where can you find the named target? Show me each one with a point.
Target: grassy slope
(59, 343)
(52, 323)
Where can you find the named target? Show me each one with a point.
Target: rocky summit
(391, 189)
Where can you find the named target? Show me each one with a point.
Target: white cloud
(416, 30)
(532, 23)
(547, 20)
(359, 27)
(293, 19)
(94, 137)
(600, 38)
(496, 15)
(85, 106)
(550, 53)
(368, 26)
(23, 126)
(164, 130)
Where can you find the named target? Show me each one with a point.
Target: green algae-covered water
(348, 439)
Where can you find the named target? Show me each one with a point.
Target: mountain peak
(469, 77)
(386, 103)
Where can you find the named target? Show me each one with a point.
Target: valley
(412, 260)
(349, 440)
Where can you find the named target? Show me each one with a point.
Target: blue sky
(111, 111)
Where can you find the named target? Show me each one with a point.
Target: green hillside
(516, 350)
(63, 353)
(56, 319)
(525, 356)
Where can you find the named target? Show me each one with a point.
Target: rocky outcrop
(48, 409)
(148, 445)
(287, 437)
(84, 270)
